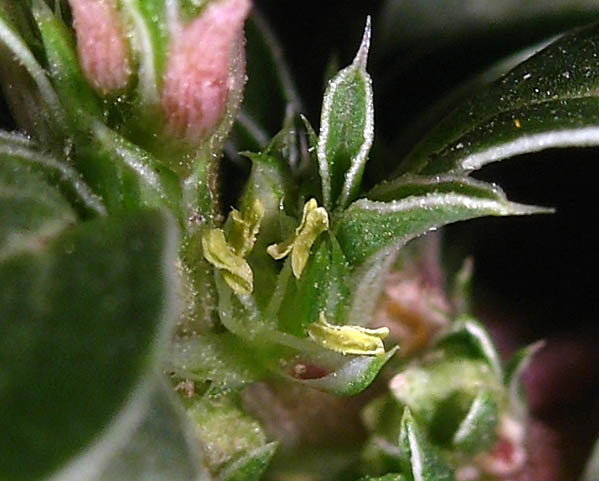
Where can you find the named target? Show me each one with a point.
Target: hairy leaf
(513, 372)
(81, 322)
(547, 101)
(346, 129)
(367, 226)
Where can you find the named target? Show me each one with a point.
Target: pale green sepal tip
(315, 221)
(348, 339)
(236, 272)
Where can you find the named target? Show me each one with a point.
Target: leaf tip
(361, 58)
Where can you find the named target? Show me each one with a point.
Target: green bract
(127, 275)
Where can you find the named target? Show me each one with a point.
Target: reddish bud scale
(198, 76)
(101, 44)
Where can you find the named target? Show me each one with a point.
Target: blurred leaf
(233, 443)
(513, 373)
(219, 358)
(81, 323)
(424, 388)
(461, 291)
(32, 213)
(386, 477)
(547, 101)
(472, 335)
(125, 174)
(437, 21)
(346, 129)
(368, 226)
(419, 459)
(20, 149)
(251, 466)
(477, 431)
(591, 471)
(355, 375)
(162, 446)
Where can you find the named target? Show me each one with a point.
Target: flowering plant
(148, 330)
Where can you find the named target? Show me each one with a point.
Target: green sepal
(346, 129)
(235, 270)
(468, 337)
(420, 460)
(352, 377)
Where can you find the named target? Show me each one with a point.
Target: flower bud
(101, 44)
(199, 75)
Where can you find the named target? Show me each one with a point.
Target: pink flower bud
(199, 77)
(101, 45)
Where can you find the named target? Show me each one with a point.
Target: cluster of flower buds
(204, 60)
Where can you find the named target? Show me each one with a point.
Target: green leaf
(470, 336)
(513, 372)
(352, 377)
(82, 321)
(32, 213)
(18, 148)
(346, 129)
(367, 226)
(420, 461)
(546, 102)
(162, 446)
(251, 466)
